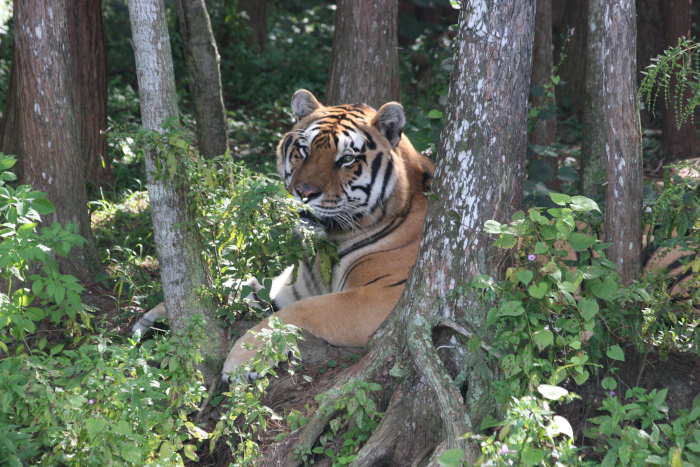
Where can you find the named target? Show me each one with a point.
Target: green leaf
(538, 290)
(560, 199)
(189, 451)
(451, 458)
(131, 453)
(581, 377)
(580, 242)
(435, 114)
(43, 206)
(95, 426)
(553, 393)
(543, 338)
(604, 290)
(532, 456)
(492, 227)
(511, 308)
(615, 353)
(524, 276)
(609, 383)
(583, 204)
(588, 308)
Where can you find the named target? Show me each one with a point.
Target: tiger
(364, 184)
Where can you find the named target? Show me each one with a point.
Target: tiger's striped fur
(365, 184)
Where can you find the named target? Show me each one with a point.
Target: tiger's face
(340, 160)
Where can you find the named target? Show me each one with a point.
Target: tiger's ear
(304, 103)
(390, 120)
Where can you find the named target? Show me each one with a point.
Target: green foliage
(103, 404)
(358, 416)
(631, 434)
(529, 435)
(21, 246)
(679, 63)
(245, 416)
(556, 309)
(673, 239)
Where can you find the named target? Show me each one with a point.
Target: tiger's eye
(347, 158)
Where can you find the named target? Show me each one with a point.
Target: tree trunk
(179, 246)
(89, 55)
(10, 131)
(545, 131)
(478, 177)
(50, 147)
(623, 197)
(365, 60)
(592, 173)
(257, 18)
(572, 70)
(204, 76)
(677, 143)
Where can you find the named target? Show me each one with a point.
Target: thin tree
(623, 140)
(478, 177)
(88, 46)
(183, 270)
(365, 60)
(545, 131)
(593, 162)
(204, 77)
(256, 11)
(47, 129)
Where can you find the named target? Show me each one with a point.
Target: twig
(447, 323)
(212, 387)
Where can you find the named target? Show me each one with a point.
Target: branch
(447, 323)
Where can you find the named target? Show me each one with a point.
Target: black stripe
(397, 284)
(375, 280)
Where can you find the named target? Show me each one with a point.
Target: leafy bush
(21, 247)
(556, 310)
(103, 403)
(528, 435)
(630, 434)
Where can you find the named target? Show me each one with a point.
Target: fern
(681, 62)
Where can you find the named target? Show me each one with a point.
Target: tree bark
(10, 131)
(49, 146)
(593, 162)
(89, 56)
(205, 77)
(257, 18)
(365, 61)
(623, 144)
(183, 270)
(478, 177)
(545, 131)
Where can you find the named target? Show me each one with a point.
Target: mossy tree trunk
(478, 177)
(365, 60)
(623, 140)
(204, 77)
(592, 173)
(183, 270)
(47, 131)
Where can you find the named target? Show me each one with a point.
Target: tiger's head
(349, 163)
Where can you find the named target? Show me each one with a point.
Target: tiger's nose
(307, 193)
